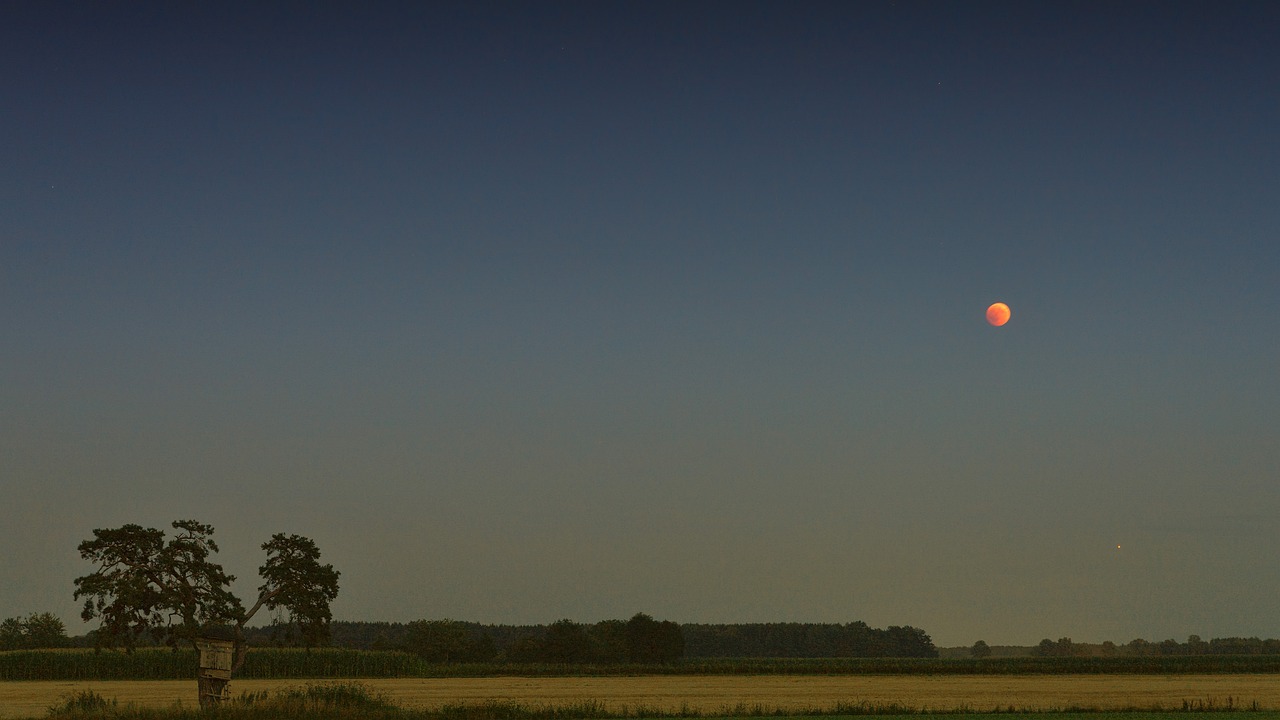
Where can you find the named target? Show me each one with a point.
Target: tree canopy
(37, 630)
(855, 639)
(172, 590)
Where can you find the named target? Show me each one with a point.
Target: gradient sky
(545, 310)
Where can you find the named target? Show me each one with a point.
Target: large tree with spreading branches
(170, 589)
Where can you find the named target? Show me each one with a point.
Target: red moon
(998, 314)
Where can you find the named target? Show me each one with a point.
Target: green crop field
(276, 663)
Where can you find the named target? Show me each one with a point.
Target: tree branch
(262, 600)
(242, 648)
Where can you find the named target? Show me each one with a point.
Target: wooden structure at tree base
(216, 657)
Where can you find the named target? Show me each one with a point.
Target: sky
(530, 311)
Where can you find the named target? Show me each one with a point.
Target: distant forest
(643, 639)
(521, 642)
(806, 640)
(1064, 647)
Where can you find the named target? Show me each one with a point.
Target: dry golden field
(711, 693)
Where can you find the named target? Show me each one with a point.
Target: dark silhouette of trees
(174, 593)
(650, 641)
(565, 642)
(639, 640)
(907, 641)
(810, 640)
(13, 635)
(609, 643)
(36, 631)
(1196, 646)
(1064, 647)
(448, 641)
(980, 649)
(521, 643)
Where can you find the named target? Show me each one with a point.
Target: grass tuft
(85, 703)
(350, 695)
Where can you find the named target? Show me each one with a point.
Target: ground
(713, 693)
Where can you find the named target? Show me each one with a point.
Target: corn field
(166, 664)
(335, 663)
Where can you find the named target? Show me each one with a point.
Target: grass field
(711, 695)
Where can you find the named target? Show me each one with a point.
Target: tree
(525, 649)
(1196, 646)
(1138, 646)
(298, 583)
(980, 649)
(1064, 647)
(651, 641)
(45, 630)
(609, 641)
(13, 635)
(38, 630)
(566, 642)
(174, 593)
(909, 641)
(448, 641)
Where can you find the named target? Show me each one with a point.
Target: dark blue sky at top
(526, 311)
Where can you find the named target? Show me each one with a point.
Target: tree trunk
(213, 690)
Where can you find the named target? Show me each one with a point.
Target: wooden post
(215, 670)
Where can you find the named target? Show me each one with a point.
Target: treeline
(635, 640)
(646, 641)
(1064, 647)
(807, 640)
(37, 630)
(638, 640)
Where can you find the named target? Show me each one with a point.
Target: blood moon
(998, 314)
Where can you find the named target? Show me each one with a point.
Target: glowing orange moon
(998, 314)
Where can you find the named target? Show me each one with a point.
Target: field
(276, 663)
(710, 695)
